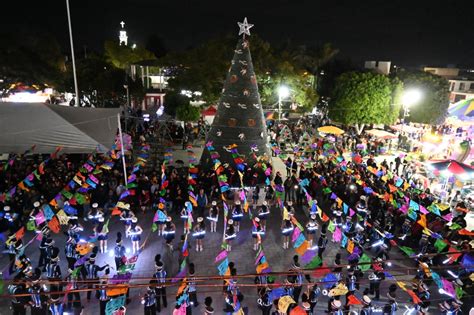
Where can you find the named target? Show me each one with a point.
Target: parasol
(463, 110)
(331, 129)
(452, 166)
(381, 134)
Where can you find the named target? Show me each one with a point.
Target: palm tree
(312, 58)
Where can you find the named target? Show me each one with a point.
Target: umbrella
(406, 128)
(331, 129)
(463, 110)
(452, 166)
(380, 134)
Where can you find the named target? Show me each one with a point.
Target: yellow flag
(286, 215)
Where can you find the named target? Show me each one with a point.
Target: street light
(409, 98)
(72, 54)
(283, 92)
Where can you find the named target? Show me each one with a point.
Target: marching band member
(263, 212)
(184, 217)
(169, 232)
(237, 215)
(257, 232)
(95, 213)
(134, 231)
(199, 233)
(127, 215)
(311, 228)
(229, 234)
(102, 235)
(287, 228)
(213, 216)
(119, 252)
(149, 301)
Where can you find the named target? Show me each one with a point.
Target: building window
(459, 97)
(451, 88)
(461, 86)
(471, 87)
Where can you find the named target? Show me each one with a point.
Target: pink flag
(40, 218)
(337, 235)
(404, 208)
(448, 287)
(448, 217)
(296, 233)
(423, 210)
(221, 256)
(351, 212)
(260, 255)
(181, 310)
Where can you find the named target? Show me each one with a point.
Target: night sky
(415, 32)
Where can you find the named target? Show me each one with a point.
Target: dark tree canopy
(361, 98)
(156, 45)
(433, 106)
(31, 58)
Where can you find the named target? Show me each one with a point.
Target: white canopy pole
(122, 149)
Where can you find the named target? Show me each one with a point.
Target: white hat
(36, 204)
(366, 300)
(230, 221)
(168, 219)
(257, 219)
(134, 220)
(6, 208)
(290, 203)
(200, 219)
(264, 203)
(313, 216)
(336, 304)
(237, 202)
(214, 203)
(95, 205)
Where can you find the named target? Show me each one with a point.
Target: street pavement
(242, 255)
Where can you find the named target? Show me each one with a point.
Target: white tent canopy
(76, 130)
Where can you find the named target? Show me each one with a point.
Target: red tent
(210, 111)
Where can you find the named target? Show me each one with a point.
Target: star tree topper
(244, 27)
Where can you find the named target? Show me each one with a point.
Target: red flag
(353, 300)
(20, 233)
(415, 298)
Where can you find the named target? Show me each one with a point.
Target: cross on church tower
(123, 38)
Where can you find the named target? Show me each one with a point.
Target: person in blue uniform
(119, 252)
(311, 228)
(102, 231)
(159, 281)
(149, 301)
(237, 215)
(213, 216)
(287, 228)
(134, 232)
(169, 232)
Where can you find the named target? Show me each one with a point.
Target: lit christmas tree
(239, 119)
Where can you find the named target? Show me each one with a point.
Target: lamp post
(283, 92)
(409, 98)
(72, 54)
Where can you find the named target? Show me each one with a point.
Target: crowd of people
(376, 226)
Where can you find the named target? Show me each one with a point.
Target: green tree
(30, 57)
(361, 98)
(187, 113)
(121, 56)
(173, 101)
(434, 104)
(204, 68)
